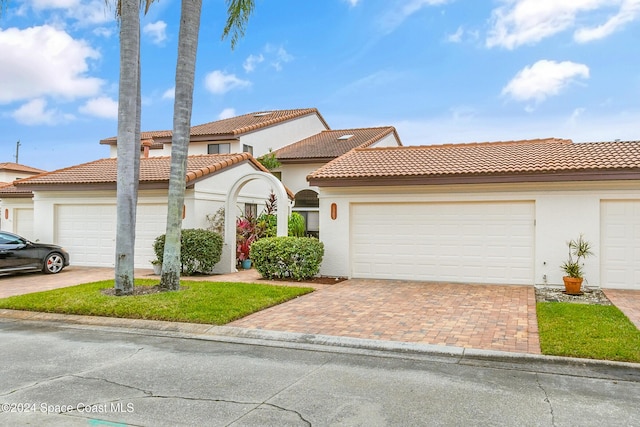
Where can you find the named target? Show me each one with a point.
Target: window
(247, 149)
(250, 210)
(277, 175)
(219, 148)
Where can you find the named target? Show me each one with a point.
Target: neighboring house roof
(232, 127)
(11, 191)
(329, 144)
(16, 167)
(152, 169)
(507, 161)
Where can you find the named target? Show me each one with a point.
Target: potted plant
(157, 267)
(579, 249)
(243, 248)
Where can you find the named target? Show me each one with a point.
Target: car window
(7, 239)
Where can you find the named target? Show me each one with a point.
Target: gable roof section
(16, 167)
(327, 144)
(231, 127)
(511, 161)
(11, 191)
(153, 170)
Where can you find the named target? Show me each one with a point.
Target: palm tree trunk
(128, 149)
(185, 77)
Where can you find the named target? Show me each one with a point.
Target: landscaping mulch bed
(322, 280)
(556, 294)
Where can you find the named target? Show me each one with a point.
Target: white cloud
(157, 31)
(629, 11)
(103, 32)
(169, 93)
(456, 37)
(520, 22)
(35, 112)
(85, 13)
(251, 62)
(40, 61)
(543, 79)
(352, 3)
(103, 106)
(227, 113)
(400, 11)
(217, 82)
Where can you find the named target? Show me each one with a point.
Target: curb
(591, 368)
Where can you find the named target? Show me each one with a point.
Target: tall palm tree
(238, 12)
(128, 141)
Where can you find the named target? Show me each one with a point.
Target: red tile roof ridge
(19, 167)
(486, 143)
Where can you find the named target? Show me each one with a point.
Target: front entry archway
(227, 262)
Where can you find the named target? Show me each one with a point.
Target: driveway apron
(490, 317)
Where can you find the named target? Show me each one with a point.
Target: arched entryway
(227, 262)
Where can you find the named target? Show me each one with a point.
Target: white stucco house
(76, 207)
(482, 213)
(20, 220)
(491, 213)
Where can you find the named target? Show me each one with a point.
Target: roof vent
(344, 137)
(266, 113)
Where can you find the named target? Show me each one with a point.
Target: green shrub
(296, 225)
(297, 258)
(200, 250)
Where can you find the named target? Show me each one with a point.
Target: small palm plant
(579, 249)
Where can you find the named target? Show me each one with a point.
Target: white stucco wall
(8, 208)
(294, 176)
(562, 212)
(388, 141)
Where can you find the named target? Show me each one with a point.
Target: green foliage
(269, 161)
(238, 12)
(588, 331)
(297, 258)
(579, 249)
(200, 250)
(197, 302)
(216, 221)
(296, 225)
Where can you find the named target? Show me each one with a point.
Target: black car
(18, 254)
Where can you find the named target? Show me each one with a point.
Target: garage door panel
(462, 242)
(88, 232)
(620, 244)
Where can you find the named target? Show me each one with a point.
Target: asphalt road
(64, 375)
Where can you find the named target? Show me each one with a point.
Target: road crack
(546, 399)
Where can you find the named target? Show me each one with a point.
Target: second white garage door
(453, 242)
(88, 232)
(620, 240)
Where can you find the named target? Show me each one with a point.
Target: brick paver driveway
(488, 317)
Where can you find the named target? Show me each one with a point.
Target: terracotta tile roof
(328, 145)
(249, 122)
(509, 158)
(16, 167)
(233, 126)
(10, 190)
(144, 136)
(152, 169)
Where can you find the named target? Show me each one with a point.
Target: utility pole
(17, 150)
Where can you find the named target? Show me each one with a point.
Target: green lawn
(588, 331)
(197, 302)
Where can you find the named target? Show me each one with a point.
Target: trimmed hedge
(200, 250)
(297, 258)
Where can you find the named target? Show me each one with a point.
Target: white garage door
(88, 232)
(23, 222)
(457, 242)
(620, 240)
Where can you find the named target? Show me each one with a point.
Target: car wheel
(53, 263)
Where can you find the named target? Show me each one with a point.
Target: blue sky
(440, 71)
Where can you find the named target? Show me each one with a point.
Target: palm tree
(238, 12)
(129, 106)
